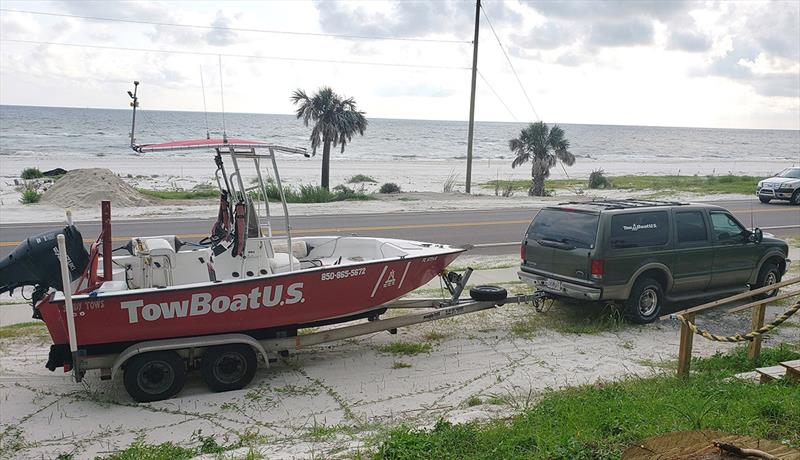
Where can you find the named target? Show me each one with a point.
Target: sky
(731, 64)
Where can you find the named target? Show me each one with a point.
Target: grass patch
(139, 450)
(744, 185)
(406, 348)
(389, 187)
(31, 173)
(400, 365)
(29, 195)
(434, 336)
(360, 179)
(599, 421)
(303, 194)
(473, 401)
(736, 361)
(29, 329)
(571, 318)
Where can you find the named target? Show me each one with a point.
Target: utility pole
(472, 94)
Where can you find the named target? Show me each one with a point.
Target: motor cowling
(34, 262)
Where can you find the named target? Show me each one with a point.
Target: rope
(739, 337)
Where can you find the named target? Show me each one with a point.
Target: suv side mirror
(756, 235)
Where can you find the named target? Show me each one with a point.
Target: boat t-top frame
(234, 193)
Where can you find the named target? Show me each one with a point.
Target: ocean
(54, 131)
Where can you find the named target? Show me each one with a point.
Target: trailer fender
(187, 343)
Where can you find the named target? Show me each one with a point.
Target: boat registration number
(342, 274)
(552, 284)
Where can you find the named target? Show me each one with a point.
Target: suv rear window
(639, 229)
(576, 229)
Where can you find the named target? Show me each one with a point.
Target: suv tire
(644, 303)
(764, 199)
(769, 274)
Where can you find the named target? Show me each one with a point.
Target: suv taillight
(597, 268)
(522, 252)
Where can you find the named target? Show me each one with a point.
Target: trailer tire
(487, 293)
(229, 367)
(154, 376)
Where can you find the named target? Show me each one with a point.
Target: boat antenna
(134, 104)
(205, 110)
(222, 97)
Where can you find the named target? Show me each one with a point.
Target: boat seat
(299, 248)
(280, 262)
(112, 286)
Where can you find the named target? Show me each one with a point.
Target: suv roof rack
(625, 204)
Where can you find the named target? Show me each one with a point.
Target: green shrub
(31, 173)
(389, 187)
(344, 193)
(361, 178)
(597, 179)
(30, 195)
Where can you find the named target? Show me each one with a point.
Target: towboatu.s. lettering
(204, 303)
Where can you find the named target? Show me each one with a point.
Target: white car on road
(783, 186)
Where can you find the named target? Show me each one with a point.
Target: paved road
(487, 227)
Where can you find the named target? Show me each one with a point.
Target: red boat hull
(243, 305)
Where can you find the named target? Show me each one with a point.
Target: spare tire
(488, 293)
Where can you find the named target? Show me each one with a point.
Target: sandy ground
(426, 177)
(329, 401)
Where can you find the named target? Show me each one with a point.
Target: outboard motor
(35, 262)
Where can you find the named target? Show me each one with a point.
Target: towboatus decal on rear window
(203, 303)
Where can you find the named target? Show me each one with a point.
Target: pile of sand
(85, 188)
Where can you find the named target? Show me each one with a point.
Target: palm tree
(543, 147)
(335, 119)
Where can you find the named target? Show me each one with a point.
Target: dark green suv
(642, 253)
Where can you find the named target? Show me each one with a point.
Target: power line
(497, 95)
(502, 48)
(236, 29)
(245, 56)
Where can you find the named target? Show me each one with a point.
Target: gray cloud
(221, 37)
(632, 32)
(551, 35)
(689, 40)
(774, 30)
(408, 18)
(592, 10)
(158, 12)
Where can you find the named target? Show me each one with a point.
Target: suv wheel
(644, 304)
(764, 199)
(796, 197)
(769, 275)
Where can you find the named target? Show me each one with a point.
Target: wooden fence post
(754, 347)
(685, 350)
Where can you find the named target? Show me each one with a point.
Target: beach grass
(303, 194)
(361, 178)
(600, 420)
(29, 329)
(745, 185)
(180, 194)
(406, 348)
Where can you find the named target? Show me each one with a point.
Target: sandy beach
(426, 178)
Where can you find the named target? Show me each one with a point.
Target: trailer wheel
(488, 293)
(229, 367)
(154, 376)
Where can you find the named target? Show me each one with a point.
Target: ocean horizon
(65, 131)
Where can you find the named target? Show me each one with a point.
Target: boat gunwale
(94, 295)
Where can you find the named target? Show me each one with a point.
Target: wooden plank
(685, 348)
(770, 373)
(743, 295)
(759, 302)
(754, 347)
(792, 370)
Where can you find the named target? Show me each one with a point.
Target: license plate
(552, 284)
